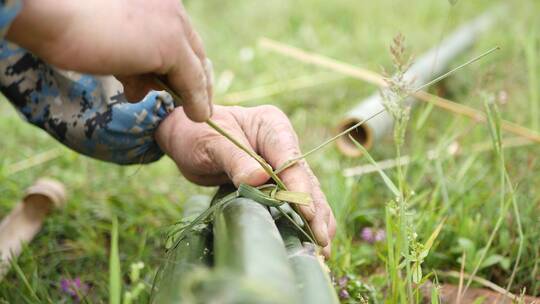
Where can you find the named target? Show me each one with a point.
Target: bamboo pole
(247, 243)
(312, 279)
(366, 134)
(191, 253)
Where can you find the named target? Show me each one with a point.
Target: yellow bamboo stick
(378, 80)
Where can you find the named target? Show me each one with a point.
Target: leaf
(466, 245)
(495, 259)
(300, 198)
(434, 295)
(453, 2)
(385, 177)
(431, 240)
(23, 278)
(417, 272)
(115, 284)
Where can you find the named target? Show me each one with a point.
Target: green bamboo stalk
(247, 244)
(191, 253)
(312, 279)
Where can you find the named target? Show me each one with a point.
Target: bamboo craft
(427, 67)
(242, 259)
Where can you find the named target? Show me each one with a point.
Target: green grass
(471, 191)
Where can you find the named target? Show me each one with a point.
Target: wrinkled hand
(133, 40)
(207, 158)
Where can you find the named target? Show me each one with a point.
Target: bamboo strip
(378, 80)
(33, 161)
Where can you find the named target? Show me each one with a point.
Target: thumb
(237, 164)
(188, 78)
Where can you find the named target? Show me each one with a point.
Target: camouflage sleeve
(86, 113)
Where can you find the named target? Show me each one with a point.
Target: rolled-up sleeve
(87, 113)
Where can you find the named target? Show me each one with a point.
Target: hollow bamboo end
(363, 134)
(47, 191)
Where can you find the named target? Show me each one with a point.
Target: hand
(207, 158)
(133, 40)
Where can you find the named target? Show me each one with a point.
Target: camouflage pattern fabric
(87, 113)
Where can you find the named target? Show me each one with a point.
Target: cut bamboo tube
(190, 253)
(25, 220)
(247, 244)
(427, 67)
(311, 273)
(364, 134)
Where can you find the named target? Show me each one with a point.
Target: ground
(463, 190)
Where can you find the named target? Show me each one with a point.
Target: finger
(188, 79)
(207, 180)
(197, 46)
(321, 204)
(193, 37)
(277, 143)
(332, 227)
(320, 230)
(136, 87)
(327, 251)
(237, 164)
(296, 179)
(209, 71)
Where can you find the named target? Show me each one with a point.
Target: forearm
(133, 40)
(86, 113)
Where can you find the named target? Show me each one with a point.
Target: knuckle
(202, 152)
(271, 109)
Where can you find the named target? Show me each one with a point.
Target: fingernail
(325, 232)
(209, 71)
(327, 251)
(251, 178)
(256, 174)
(323, 235)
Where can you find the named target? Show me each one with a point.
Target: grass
(466, 190)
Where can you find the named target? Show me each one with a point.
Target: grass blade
(21, 275)
(387, 181)
(115, 274)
